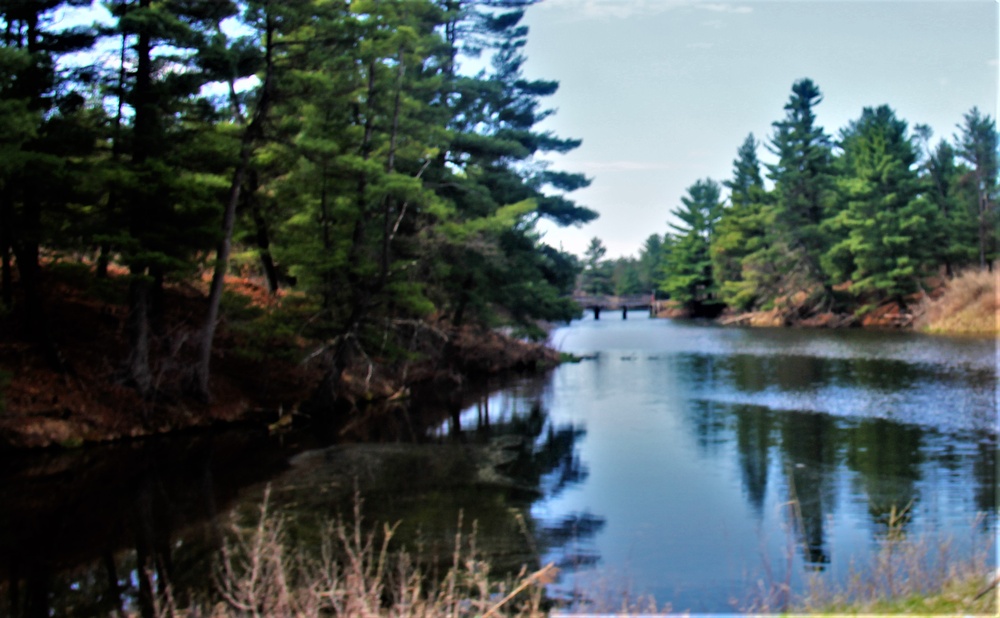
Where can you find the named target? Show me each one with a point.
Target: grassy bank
(968, 304)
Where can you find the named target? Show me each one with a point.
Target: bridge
(598, 303)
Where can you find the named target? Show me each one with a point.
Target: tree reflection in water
(101, 531)
(548, 461)
(885, 459)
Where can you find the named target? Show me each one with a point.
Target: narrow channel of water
(681, 460)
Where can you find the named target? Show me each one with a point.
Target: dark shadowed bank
(265, 376)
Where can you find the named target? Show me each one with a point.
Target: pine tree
(688, 278)
(954, 230)
(596, 276)
(650, 258)
(741, 231)
(977, 144)
(172, 183)
(44, 125)
(490, 165)
(804, 192)
(885, 229)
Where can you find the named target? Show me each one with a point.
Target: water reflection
(679, 457)
(886, 462)
(98, 531)
(822, 435)
(548, 461)
(106, 530)
(754, 441)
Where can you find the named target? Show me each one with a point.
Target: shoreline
(968, 304)
(258, 380)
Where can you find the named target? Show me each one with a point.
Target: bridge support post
(597, 312)
(624, 313)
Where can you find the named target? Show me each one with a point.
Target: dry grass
(910, 576)
(355, 574)
(259, 574)
(970, 304)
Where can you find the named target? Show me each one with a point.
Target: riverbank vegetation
(358, 569)
(377, 202)
(911, 576)
(860, 227)
(969, 304)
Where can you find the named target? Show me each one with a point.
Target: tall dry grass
(924, 575)
(970, 305)
(357, 575)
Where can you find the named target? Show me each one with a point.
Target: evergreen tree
(977, 145)
(804, 191)
(885, 231)
(954, 230)
(596, 276)
(649, 264)
(741, 231)
(688, 279)
(45, 126)
(173, 182)
(489, 166)
(625, 277)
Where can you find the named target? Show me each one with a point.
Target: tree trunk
(137, 369)
(262, 236)
(6, 242)
(253, 131)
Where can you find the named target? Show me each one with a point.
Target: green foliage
(266, 334)
(649, 263)
(977, 144)
(804, 193)
(688, 277)
(885, 231)
(858, 226)
(362, 168)
(742, 234)
(596, 278)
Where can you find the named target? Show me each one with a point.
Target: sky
(663, 92)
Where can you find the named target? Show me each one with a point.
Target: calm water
(694, 439)
(664, 465)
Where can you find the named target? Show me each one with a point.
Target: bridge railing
(632, 301)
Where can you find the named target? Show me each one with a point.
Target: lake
(686, 461)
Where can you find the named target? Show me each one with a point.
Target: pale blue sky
(663, 92)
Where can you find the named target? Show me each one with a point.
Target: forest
(836, 224)
(200, 201)
(334, 152)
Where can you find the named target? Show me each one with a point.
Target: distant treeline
(335, 146)
(842, 224)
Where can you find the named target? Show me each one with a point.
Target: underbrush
(969, 305)
(260, 572)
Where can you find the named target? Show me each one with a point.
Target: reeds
(357, 574)
(970, 304)
(922, 575)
